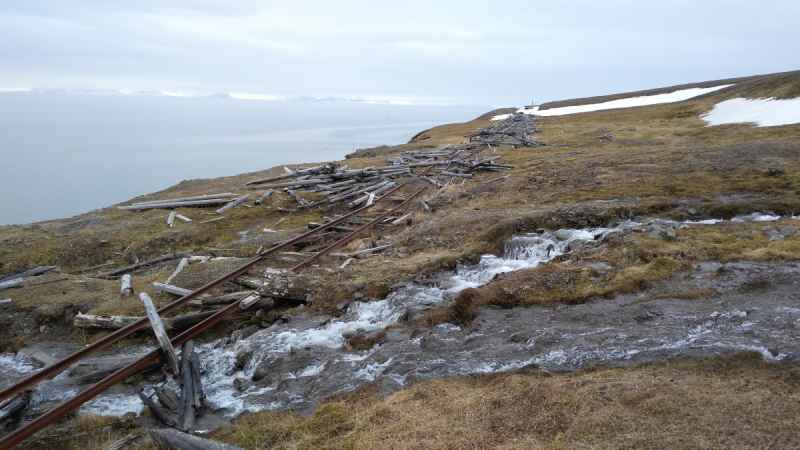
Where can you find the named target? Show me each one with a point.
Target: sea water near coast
(67, 154)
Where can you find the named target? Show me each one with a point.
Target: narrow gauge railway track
(27, 430)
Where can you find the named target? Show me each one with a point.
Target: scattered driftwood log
(161, 333)
(28, 273)
(186, 407)
(232, 204)
(104, 322)
(184, 262)
(201, 200)
(127, 286)
(11, 283)
(174, 439)
(264, 197)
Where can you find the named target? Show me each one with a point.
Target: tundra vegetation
(658, 161)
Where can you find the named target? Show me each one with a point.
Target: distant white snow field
(670, 97)
(767, 112)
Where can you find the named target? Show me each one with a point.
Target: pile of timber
(190, 404)
(359, 187)
(515, 130)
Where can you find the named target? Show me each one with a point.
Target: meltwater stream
(300, 363)
(297, 364)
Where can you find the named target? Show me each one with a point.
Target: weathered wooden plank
(160, 332)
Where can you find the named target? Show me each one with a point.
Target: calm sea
(62, 154)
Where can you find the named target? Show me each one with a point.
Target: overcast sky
(461, 52)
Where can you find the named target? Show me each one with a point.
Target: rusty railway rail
(62, 364)
(353, 235)
(27, 430)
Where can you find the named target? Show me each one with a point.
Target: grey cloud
(474, 52)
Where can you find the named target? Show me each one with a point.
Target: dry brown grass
(732, 402)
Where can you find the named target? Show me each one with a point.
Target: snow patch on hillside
(767, 112)
(671, 97)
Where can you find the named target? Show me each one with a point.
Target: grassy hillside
(599, 168)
